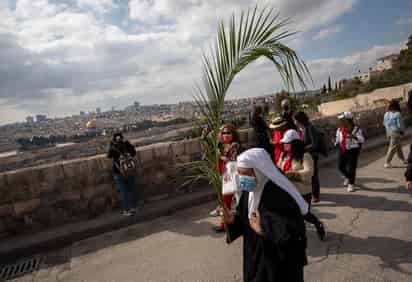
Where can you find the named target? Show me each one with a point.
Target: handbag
(229, 183)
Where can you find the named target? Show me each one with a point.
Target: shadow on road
(392, 252)
(358, 201)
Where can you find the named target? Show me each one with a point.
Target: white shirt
(351, 143)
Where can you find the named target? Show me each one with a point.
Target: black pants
(315, 177)
(348, 163)
(310, 217)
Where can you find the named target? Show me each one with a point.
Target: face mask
(286, 109)
(227, 138)
(247, 183)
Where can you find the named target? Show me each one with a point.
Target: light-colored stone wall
(365, 101)
(45, 196)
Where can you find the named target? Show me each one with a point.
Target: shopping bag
(229, 183)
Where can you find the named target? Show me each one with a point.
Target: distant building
(82, 113)
(386, 63)
(41, 118)
(364, 77)
(98, 111)
(30, 120)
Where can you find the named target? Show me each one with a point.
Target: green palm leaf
(258, 33)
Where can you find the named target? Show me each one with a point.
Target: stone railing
(45, 196)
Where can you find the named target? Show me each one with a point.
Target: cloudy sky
(59, 57)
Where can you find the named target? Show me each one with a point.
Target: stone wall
(45, 196)
(365, 101)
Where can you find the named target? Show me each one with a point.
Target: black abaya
(278, 255)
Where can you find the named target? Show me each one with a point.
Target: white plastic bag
(229, 184)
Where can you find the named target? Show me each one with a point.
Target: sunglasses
(226, 133)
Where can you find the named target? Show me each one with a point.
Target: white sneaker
(215, 212)
(345, 182)
(351, 188)
(387, 165)
(126, 213)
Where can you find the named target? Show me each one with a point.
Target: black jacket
(408, 172)
(117, 149)
(288, 117)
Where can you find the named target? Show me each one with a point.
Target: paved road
(370, 240)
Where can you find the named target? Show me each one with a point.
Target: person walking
(261, 131)
(119, 151)
(408, 172)
(394, 130)
(287, 113)
(298, 166)
(349, 139)
(309, 139)
(229, 139)
(269, 217)
(279, 127)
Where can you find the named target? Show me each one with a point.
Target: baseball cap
(345, 115)
(290, 136)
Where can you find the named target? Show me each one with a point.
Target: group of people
(278, 180)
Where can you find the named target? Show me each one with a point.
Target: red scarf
(277, 136)
(344, 134)
(287, 165)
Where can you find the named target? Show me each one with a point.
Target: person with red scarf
(349, 140)
(229, 139)
(279, 127)
(298, 166)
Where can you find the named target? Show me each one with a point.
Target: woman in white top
(298, 167)
(349, 139)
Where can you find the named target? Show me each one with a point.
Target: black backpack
(127, 163)
(320, 141)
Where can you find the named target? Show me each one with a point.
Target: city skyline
(60, 57)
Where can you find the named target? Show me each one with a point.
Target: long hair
(298, 150)
(302, 118)
(256, 115)
(394, 106)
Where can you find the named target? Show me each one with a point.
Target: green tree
(256, 34)
(329, 85)
(324, 90)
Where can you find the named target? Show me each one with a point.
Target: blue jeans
(126, 185)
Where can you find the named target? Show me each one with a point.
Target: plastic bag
(229, 183)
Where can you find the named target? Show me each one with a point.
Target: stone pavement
(370, 239)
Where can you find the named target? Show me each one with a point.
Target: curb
(24, 246)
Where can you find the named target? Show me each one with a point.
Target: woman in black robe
(270, 219)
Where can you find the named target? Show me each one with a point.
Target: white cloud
(347, 66)
(26, 9)
(404, 21)
(328, 32)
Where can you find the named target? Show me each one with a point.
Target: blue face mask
(247, 183)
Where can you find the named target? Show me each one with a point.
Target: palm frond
(257, 34)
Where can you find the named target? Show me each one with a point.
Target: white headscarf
(265, 170)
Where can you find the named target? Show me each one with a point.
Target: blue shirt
(393, 122)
